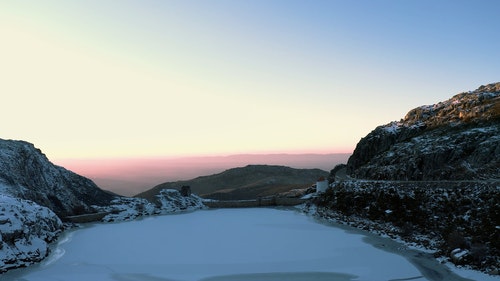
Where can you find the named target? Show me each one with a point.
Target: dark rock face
(186, 190)
(458, 139)
(25, 172)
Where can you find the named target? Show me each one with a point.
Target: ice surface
(227, 244)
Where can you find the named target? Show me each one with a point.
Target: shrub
(456, 240)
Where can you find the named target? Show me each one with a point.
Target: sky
(121, 79)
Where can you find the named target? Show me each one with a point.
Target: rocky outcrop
(455, 219)
(26, 229)
(167, 201)
(34, 192)
(173, 201)
(458, 139)
(25, 172)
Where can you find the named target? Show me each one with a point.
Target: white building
(321, 185)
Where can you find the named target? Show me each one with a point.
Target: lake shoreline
(279, 240)
(429, 267)
(423, 259)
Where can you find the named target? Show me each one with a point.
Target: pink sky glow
(133, 175)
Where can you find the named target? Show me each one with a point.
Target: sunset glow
(118, 79)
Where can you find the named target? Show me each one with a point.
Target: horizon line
(193, 156)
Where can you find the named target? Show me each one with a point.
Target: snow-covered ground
(216, 245)
(25, 232)
(26, 228)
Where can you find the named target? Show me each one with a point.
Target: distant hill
(132, 176)
(457, 139)
(247, 182)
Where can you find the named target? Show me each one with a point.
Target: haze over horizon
(135, 79)
(132, 176)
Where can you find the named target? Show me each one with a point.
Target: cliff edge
(458, 139)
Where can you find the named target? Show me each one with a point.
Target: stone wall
(261, 202)
(87, 217)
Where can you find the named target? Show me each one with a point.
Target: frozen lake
(215, 245)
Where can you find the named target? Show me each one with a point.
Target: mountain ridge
(458, 139)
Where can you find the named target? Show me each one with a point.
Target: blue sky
(88, 79)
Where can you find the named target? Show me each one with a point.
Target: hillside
(432, 179)
(458, 139)
(26, 173)
(247, 182)
(35, 195)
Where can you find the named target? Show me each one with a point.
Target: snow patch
(26, 230)
(392, 128)
(308, 196)
(458, 254)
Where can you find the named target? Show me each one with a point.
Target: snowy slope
(34, 192)
(25, 172)
(25, 231)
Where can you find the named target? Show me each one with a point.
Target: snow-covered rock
(458, 139)
(171, 201)
(166, 202)
(438, 215)
(34, 192)
(26, 229)
(34, 195)
(125, 209)
(25, 172)
(458, 254)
